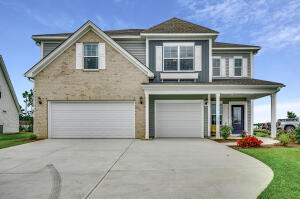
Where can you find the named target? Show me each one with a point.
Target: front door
(237, 118)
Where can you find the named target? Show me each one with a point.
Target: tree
(291, 115)
(28, 100)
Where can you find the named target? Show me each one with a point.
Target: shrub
(249, 142)
(225, 131)
(32, 137)
(280, 132)
(284, 139)
(21, 129)
(292, 136)
(265, 131)
(297, 133)
(243, 134)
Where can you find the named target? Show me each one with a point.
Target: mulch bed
(290, 145)
(224, 141)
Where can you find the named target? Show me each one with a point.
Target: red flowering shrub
(249, 141)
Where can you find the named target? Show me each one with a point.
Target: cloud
(262, 112)
(272, 24)
(114, 24)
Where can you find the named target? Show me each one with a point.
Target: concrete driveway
(125, 168)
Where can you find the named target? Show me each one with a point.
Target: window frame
(178, 45)
(97, 56)
(219, 58)
(234, 66)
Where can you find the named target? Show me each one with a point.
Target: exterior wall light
(39, 100)
(205, 101)
(141, 100)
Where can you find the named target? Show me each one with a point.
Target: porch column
(218, 116)
(273, 115)
(147, 115)
(208, 115)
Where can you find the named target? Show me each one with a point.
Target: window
(178, 57)
(216, 67)
(90, 56)
(213, 114)
(237, 67)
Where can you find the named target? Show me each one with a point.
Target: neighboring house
(171, 80)
(24, 124)
(9, 105)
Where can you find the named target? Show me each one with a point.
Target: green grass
(285, 163)
(259, 134)
(12, 139)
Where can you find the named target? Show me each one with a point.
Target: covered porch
(200, 109)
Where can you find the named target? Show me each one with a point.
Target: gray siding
(48, 47)
(203, 76)
(9, 116)
(231, 55)
(137, 49)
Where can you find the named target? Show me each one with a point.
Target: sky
(272, 24)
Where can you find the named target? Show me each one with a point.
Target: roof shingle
(176, 25)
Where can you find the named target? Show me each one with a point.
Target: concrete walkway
(124, 168)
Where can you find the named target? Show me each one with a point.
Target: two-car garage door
(91, 119)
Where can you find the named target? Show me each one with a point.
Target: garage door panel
(92, 120)
(179, 119)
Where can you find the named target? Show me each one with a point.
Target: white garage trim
(200, 102)
(131, 104)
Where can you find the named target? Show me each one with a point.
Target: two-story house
(171, 80)
(9, 105)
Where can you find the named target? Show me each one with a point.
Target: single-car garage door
(179, 118)
(91, 119)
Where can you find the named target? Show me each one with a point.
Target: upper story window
(90, 56)
(216, 67)
(178, 57)
(238, 62)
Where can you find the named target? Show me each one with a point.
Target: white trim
(147, 52)
(181, 102)
(49, 120)
(178, 57)
(210, 59)
(147, 115)
(209, 115)
(77, 35)
(178, 75)
(273, 115)
(218, 134)
(178, 43)
(164, 89)
(244, 103)
(177, 38)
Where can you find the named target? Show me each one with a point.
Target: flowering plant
(249, 141)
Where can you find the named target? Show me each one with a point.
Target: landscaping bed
(8, 140)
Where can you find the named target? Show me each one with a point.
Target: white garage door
(91, 120)
(179, 118)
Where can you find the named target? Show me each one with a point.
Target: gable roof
(176, 25)
(63, 36)
(10, 86)
(32, 72)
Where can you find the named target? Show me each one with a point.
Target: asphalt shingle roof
(176, 25)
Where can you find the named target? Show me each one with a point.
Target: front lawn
(285, 163)
(7, 140)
